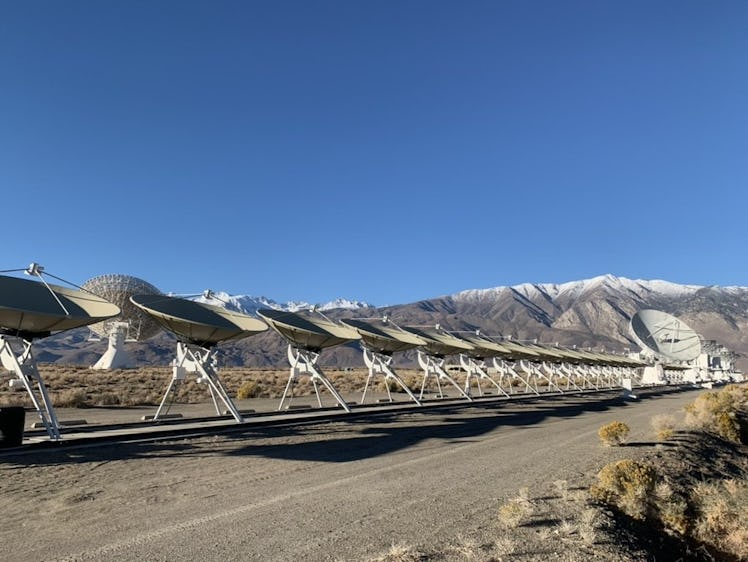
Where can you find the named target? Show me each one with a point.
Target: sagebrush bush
(719, 412)
(614, 433)
(627, 485)
(672, 509)
(250, 389)
(515, 511)
(71, 398)
(721, 511)
(663, 426)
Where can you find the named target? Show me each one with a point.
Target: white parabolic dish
(34, 309)
(384, 338)
(198, 323)
(309, 331)
(665, 335)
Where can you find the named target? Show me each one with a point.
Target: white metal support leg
(474, 369)
(21, 362)
(555, 370)
(504, 367)
(380, 364)
(305, 363)
(433, 366)
(584, 372)
(199, 360)
(531, 369)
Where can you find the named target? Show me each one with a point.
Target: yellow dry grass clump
(517, 510)
(721, 512)
(718, 412)
(626, 484)
(613, 434)
(663, 426)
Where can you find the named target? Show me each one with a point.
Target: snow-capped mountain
(637, 287)
(589, 313)
(249, 304)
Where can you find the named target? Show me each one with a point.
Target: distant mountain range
(249, 304)
(590, 313)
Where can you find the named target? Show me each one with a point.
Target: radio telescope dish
(665, 335)
(384, 338)
(440, 343)
(196, 322)
(198, 327)
(308, 331)
(132, 324)
(307, 335)
(30, 310)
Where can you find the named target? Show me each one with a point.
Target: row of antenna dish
(112, 304)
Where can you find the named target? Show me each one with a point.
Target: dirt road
(331, 491)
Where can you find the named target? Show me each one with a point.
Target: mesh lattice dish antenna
(30, 310)
(665, 335)
(307, 334)
(198, 327)
(132, 324)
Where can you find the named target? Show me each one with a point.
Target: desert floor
(340, 490)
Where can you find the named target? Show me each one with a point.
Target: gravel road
(344, 490)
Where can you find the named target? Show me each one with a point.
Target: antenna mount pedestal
(21, 362)
(193, 358)
(434, 366)
(304, 362)
(379, 363)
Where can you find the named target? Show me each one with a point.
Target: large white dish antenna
(309, 331)
(383, 337)
(117, 289)
(440, 343)
(198, 323)
(32, 309)
(665, 335)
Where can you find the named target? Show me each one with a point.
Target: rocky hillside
(589, 313)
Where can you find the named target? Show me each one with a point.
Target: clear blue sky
(385, 151)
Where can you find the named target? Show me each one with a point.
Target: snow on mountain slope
(575, 289)
(249, 304)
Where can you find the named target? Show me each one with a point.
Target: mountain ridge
(591, 313)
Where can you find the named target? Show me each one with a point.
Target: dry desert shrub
(613, 434)
(722, 509)
(71, 398)
(516, 511)
(250, 389)
(562, 487)
(400, 553)
(672, 509)
(588, 523)
(469, 549)
(627, 485)
(663, 426)
(718, 412)
(390, 383)
(107, 399)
